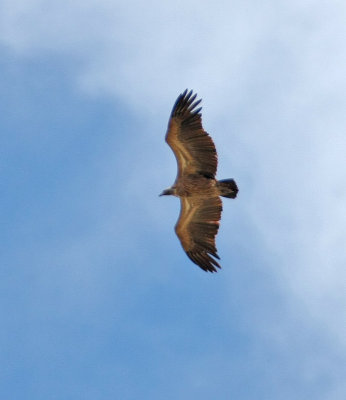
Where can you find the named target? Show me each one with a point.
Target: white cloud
(139, 50)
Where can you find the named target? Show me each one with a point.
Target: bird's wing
(194, 149)
(197, 227)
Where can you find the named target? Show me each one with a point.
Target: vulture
(196, 184)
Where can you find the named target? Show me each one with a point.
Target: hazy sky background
(98, 300)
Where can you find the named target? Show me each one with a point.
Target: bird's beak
(161, 194)
(165, 192)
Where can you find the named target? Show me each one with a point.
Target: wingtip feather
(204, 260)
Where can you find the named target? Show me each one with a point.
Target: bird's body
(196, 185)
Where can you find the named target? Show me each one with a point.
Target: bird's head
(167, 192)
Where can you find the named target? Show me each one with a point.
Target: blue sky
(98, 300)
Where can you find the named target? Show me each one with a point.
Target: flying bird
(195, 184)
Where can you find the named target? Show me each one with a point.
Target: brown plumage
(195, 185)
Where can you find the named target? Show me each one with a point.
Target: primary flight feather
(196, 185)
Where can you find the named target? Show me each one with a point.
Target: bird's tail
(227, 188)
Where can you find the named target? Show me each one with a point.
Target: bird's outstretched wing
(194, 149)
(197, 227)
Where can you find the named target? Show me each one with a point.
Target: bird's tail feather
(227, 188)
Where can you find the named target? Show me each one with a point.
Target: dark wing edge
(197, 228)
(192, 146)
(184, 107)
